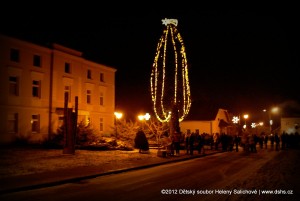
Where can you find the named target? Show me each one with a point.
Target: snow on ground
(281, 172)
(22, 161)
(281, 175)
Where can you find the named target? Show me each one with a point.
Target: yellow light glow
(141, 117)
(146, 117)
(168, 87)
(118, 115)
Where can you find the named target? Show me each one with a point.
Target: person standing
(236, 142)
(176, 142)
(187, 139)
(266, 138)
(191, 143)
(277, 141)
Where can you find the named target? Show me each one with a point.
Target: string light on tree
(169, 76)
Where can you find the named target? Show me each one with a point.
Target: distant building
(34, 80)
(290, 125)
(207, 119)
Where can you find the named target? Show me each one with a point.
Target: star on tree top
(169, 21)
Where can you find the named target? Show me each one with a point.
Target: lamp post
(146, 117)
(246, 116)
(118, 115)
(274, 110)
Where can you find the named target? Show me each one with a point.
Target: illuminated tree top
(169, 21)
(169, 77)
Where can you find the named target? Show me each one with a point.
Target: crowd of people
(196, 142)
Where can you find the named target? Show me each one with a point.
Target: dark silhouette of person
(277, 141)
(140, 141)
(237, 140)
(200, 146)
(176, 142)
(187, 139)
(191, 143)
(266, 138)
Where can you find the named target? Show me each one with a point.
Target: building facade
(34, 81)
(217, 122)
(290, 125)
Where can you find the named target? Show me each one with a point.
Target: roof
(205, 111)
(223, 123)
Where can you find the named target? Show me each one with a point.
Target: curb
(77, 179)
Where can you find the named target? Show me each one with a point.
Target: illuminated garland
(165, 91)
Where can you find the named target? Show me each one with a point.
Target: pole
(116, 128)
(69, 136)
(270, 122)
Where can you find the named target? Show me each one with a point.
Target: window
(35, 123)
(101, 124)
(88, 96)
(89, 74)
(14, 86)
(67, 67)
(101, 99)
(14, 55)
(13, 123)
(37, 60)
(68, 91)
(101, 77)
(36, 88)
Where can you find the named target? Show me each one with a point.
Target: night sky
(244, 60)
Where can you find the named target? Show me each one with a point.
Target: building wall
(208, 126)
(201, 126)
(290, 125)
(222, 114)
(21, 111)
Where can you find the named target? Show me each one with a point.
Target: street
(223, 176)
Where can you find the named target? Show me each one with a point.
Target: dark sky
(242, 59)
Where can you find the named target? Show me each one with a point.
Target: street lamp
(146, 117)
(118, 115)
(245, 117)
(274, 110)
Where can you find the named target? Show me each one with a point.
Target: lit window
(13, 86)
(35, 123)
